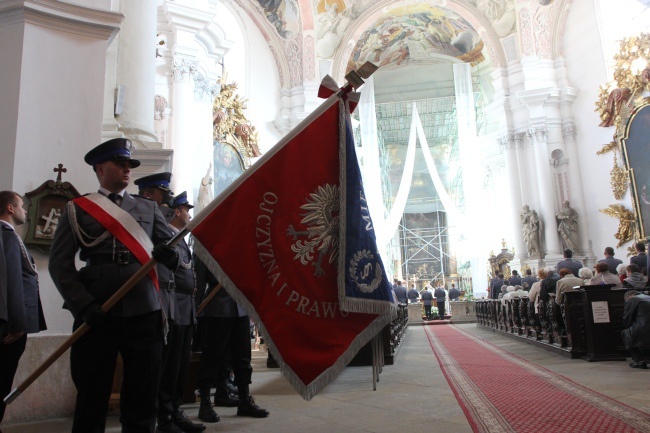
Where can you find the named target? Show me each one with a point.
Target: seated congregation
(571, 311)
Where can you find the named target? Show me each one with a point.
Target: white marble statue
(532, 231)
(567, 226)
(205, 190)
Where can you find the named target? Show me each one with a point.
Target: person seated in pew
(634, 278)
(636, 323)
(566, 284)
(621, 271)
(504, 290)
(604, 276)
(533, 293)
(585, 275)
(506, 295)
(548, 284)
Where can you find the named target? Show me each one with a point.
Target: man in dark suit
(413, 295)
(454, 293)
(641, 258)
(573, 265)
(227, 329)
(612, 262)
(636, 326)
(515, 279)
(400, 293)
(171, 419)
(527, 282)
(496, 286)
(24, 314)
(133, 327)
(440, 296)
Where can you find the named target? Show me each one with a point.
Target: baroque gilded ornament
(626, 227)
(616, 104)
(230, 123)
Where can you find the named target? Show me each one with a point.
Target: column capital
(184, 69)
(537, 134)
(507, 142)
(569, 131)
(206, 90)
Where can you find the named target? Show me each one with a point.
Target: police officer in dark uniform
(171, 419)
(156, 187)
(227, 329)
(133, 327)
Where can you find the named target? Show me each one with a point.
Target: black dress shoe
(639, 364)
(247, 407)
(225, 399)
(185, 424)
(168, 426)
(207, 414)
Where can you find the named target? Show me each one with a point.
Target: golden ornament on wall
(626, 222)
(619, 102)
(230, 124)
(619, 180)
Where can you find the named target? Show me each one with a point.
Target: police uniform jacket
(101, 277)
(573, 265)
(221, 305)
(24, 310)
(185, 285)
(166, 276)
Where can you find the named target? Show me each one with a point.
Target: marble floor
(412, 395)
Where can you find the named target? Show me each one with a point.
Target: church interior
(491, 129)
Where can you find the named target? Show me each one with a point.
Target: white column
(538, 136)
(136, 69)
(205, 91)
(509, 144)
(184, 70)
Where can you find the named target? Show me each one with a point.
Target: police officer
(227, 329)
(171, 419)
(95, 225)
(156, 187)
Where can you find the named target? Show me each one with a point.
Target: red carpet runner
(500, 392)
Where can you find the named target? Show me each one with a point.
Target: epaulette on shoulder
(141, 196)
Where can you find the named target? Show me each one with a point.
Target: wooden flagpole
(76, 335)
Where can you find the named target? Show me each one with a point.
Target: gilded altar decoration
(626, 227)
(619, 180)
(623, 103)
(230, 124)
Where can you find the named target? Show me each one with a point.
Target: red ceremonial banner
(271, 239)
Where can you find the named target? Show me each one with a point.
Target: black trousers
(441, 309)
(637, 354)
(139, 340)
(174, 373)
(223, 334)
(9, 356)
(427, 311)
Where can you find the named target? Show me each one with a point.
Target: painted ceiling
(428, 31)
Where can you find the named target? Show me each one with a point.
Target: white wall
(587, 71)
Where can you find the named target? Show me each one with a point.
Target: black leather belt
(119, 258)
(184, 291)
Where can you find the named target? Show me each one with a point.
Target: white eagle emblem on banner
(321, 232)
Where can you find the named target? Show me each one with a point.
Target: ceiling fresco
(417, 33)
(500, 13)
(283, 15)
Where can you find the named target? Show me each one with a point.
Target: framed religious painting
(636, 156)
(46, 205)
(228, 165)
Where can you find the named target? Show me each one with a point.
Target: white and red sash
(121, 225)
